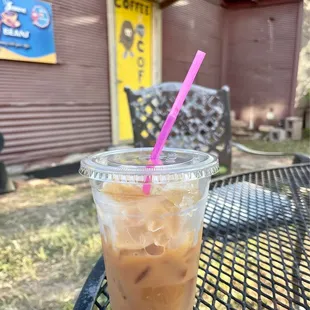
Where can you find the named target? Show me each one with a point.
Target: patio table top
(255, 251)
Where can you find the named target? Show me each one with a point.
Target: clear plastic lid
(133, 165)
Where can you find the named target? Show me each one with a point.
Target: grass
(289, 146)
(49, 242)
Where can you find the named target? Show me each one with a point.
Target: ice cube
(154, 249)
(161, 238)
(133, 238)
(123, 192)
(155, 225)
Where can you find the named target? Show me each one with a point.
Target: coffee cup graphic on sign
(10, 19)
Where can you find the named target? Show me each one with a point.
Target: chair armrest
(245, 149)
(91, 287)
(300, 158)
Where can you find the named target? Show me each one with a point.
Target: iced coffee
(151, 242)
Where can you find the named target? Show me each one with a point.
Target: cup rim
(95, 166)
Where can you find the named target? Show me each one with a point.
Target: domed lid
(133, 165)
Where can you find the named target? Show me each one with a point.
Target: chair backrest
(203, 123)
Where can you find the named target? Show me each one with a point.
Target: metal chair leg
(6, 185)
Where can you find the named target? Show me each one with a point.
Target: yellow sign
(133, 21)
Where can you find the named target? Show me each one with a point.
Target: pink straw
(170, 120)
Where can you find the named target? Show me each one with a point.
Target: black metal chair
(203, 123)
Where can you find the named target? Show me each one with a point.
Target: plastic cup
(151, 243)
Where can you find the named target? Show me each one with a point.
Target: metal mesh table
(255, 250)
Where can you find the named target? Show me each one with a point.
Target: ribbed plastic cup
(151, 243)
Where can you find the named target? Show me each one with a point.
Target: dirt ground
(242, 162)
(49, 239)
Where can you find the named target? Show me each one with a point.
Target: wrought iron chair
(203, 123)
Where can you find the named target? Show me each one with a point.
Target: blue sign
(26, 31)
